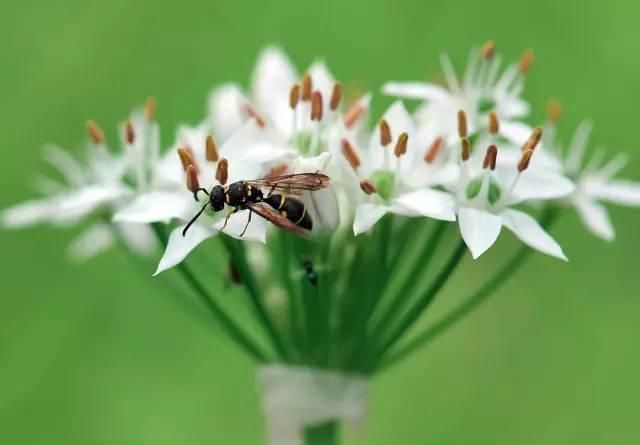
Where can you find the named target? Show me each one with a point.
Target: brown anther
(385, 133)
(254, 115)
(193, 184)
(524, 160)
(211, 149)
(465, 149)
(294, 96)
(222, 172)
(278, 170)
(368, 187)
(554, 110)
(488, 50)
(150, 109)
(186, 158)
(462, 124)
(526, 60)
(129, 133)
(95, 133)
(533, 140)
(490, 157)
(494, 123)
(401, 144)
(433, 150)
(350, 154)
(336, 96)
(307, 87)
(316, 106)
(354, 113)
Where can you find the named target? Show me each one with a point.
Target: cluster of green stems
(366, 295)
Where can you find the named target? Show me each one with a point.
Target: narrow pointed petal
(527, 229)
(66, 164)
(430, 203)
(479, 229)
(538, 184)
(155, 207)
(256, 230)
(618, 191)
(180, 246)
(85, 200)
(595, 218)
(578, 146)
(92, 241)
(416, 90)
(140, 238)
(225, 110)
(322, 80)
(366, 217)
(27, 214)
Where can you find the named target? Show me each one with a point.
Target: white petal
(272, 79)
(515, 132)
(596, 218)
(226, 114)
(618, 191)
(85, 200)
(251, 143)
(94, 240)
(416, 90)
(140, 238)
(366, 216)
(28, 213)
(322, 79)
(180, 246)
(537, 184)
(479, 229)
(157, 206)
(256, 230)
(66, 164)
(529, 232)
(578, 146)
(429, 203)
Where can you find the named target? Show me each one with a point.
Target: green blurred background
(95, 354)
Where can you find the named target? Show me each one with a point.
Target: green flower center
(486, 104)
(474, 187)
(384, 180)
(303, 142)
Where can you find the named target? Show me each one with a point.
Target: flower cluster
(464, 157)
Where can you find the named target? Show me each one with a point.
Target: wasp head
(216, 198)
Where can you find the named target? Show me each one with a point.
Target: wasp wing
(293, 184)
(276, 218)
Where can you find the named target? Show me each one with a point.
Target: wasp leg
(195, 194)
(247, 225)
(271, 191)
(226, 220)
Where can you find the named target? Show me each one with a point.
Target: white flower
(485, 197)
(96, 186)
(481, 90)
(596, 183)
(393, 176)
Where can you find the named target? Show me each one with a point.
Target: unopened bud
(211, 149)
(222, 172)
(95, 133)
(401, 144)
(192, 179)
(385, 133)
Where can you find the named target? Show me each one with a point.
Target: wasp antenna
(184, 231)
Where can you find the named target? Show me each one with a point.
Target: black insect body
(284, 211)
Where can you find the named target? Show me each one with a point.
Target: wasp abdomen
(292, 209)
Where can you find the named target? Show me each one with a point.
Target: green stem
(470, 303)
(323, 434)
(239, 259)
(232, 329)
(424, 301)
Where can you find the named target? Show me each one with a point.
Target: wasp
(276, 206)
